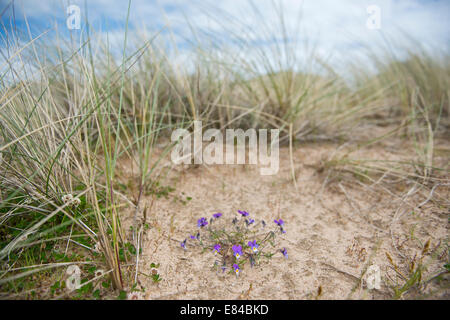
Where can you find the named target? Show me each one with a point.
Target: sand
(335, 231)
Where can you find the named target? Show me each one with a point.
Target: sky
(333, 27)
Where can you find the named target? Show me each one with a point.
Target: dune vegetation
(74, 113)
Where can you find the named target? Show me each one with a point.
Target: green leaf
(92, 269)
(156, 278)
(122, 295)
(96, 294)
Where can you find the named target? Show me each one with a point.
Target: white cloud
(336, 27)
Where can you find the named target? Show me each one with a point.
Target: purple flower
(236, 269)
(202, 222)
(279, 222)
(284, 252)
(198, 236)
(243, 213)
(183, 244)
(249, 221)
(192, 237)
(253, 245)
(217, 215)
(216, 248)
(237, 251)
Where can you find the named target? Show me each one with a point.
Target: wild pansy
(236, 269)
(284, 252)
(217, 248)
(237, 251)
(280, 223)
(249, 221)
(234, 243)
(243, 213)
(253, 246)
(202, 222)
(183, 244)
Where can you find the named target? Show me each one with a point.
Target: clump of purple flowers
(234, 242)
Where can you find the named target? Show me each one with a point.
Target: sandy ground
(334, 232)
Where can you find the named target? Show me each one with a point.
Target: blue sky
(334, 27)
